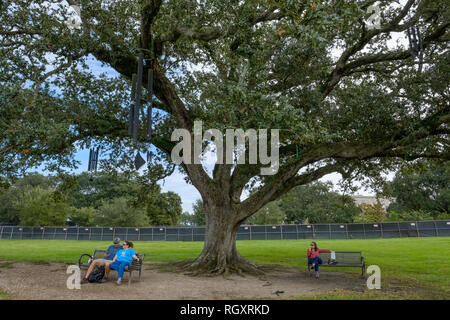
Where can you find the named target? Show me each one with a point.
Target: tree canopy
(427, 190)
(88, 200)
(197, 218)
(271, 213)
(316, 203)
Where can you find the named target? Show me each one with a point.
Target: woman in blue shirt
(122, 259)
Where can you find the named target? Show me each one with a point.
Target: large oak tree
(345, 100)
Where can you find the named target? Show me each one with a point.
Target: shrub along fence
(246, 232)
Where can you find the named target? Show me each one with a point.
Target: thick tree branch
(341, 153)
(126, 64)
(265, 195)
(209, 34)
(343, 68)
(148, 13)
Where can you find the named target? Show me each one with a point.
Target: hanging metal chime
(149, 159)
(93, 159)
(137, 103)
(133, 101)
(415, 41)
(415, 45)
(149, 113)
(133, 122)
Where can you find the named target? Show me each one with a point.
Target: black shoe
(84, 280)
(104, 280)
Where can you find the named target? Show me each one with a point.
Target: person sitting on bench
(105, 262)
(122, 259)
(314, 259)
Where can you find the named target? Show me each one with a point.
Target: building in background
(372, 200)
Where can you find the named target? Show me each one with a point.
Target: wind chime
(149, 111)
(133, 122)
(415, 44)
(93, 159)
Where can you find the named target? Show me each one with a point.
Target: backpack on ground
(97, 275)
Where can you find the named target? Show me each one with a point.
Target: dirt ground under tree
(41, 281)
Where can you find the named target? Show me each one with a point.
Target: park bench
(86, 259)
(344, 259)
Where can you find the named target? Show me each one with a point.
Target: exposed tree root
(215, 267)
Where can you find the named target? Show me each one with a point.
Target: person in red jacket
(314, 257)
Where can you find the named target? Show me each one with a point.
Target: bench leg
(129, 277)
(140, 274)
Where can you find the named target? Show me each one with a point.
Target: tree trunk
(219, 255)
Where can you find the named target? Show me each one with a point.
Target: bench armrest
(81, 257)
(138, 263)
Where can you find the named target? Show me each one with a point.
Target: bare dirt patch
(24, 280)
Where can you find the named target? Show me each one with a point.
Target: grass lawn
(4, 296)
(422, 264)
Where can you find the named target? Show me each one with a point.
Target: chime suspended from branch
(415, 44)
(133, 122)
(133, 98)
(93, 159)
(137, 102)
(149, 113)
(415, 41)
(149, 158)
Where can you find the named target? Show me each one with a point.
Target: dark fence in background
(271, 232)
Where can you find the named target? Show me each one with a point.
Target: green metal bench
(344, 259)
(135, 266)
(85, 260)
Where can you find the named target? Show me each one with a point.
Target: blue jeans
(316, 262)
(119, 266)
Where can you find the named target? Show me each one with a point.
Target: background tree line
(418, 193)
(87, 200)
(422, 192)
